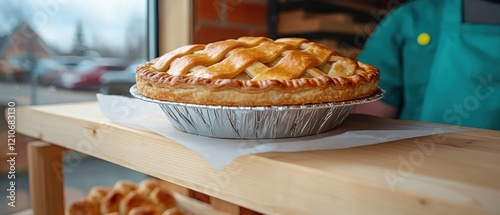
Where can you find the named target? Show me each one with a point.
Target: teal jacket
(436, 68)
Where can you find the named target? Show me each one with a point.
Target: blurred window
(45, 46)
(57, 51)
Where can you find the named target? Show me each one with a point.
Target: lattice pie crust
(256, 71)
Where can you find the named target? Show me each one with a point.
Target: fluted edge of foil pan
(267, 122)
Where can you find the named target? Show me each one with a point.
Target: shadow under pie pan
(267, 122)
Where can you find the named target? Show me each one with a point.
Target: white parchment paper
(357, 130)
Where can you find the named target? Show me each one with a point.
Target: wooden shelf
(362, 11)
(451, 173)
(325, 26)
(348, 21)
(357, 5)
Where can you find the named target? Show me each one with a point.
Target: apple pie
(256, 71)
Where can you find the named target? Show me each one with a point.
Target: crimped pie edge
(233, 92)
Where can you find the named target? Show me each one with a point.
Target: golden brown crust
(144, 210)
(124, 186)
(111, 202)
(148, 185)
(134, 199)
(149, 197)
(97, 194)
(84, 207)
(198, 75)
(163, 198)
(173, 211)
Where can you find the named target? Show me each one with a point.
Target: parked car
(119, 82)
(85, 75)
(47, 65)
(71, 60)
(15, 68)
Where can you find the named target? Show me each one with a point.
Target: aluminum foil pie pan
(257, 122)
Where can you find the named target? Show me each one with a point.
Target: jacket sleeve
(384, 50)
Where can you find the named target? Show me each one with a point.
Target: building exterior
(18, 51)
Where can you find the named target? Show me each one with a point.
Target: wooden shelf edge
(317, 25)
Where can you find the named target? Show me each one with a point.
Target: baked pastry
(124, 186)
(150, 197)
(148, 185)
(162, 198)
(133, 200)
(173, 211)
(144, 210)
(111, 202)
(84, 207)
(97, 194)
(256, 71)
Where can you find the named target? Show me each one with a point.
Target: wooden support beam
(46, 178)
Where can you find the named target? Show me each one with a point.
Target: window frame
(174, 24)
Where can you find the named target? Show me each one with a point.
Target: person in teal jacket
(435, 67)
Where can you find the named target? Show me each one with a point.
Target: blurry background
(60, 51)
(67, 45)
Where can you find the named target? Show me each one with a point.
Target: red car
(85, 75)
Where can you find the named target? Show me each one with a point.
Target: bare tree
(79, 46)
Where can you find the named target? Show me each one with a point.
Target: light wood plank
(177, 189)
(323, 25)
(176, 24)
(362, 6)
(46, 178)
(225, 206)
(24, 212)
(458, 173)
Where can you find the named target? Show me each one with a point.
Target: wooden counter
(454, 173)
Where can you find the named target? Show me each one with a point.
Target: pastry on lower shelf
(111, 202)
(96, 194)
(150, 197)
(144, 210)
(124, 186)
(162, 198)
(84, 207)
(133, 200)
(148, 185)
(173, 211)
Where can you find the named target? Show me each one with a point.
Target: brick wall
(216, 20)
